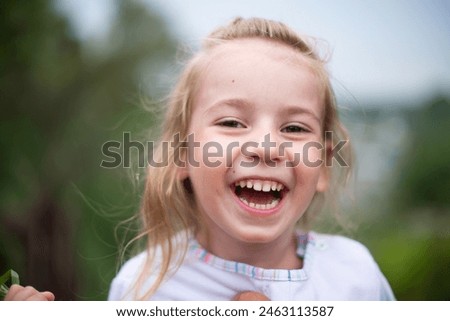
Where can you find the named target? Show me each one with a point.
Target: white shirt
(334, 268)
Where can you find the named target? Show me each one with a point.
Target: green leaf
(3, 290)
(6, 280)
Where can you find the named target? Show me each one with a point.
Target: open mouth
(259, 194)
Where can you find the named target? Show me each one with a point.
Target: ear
(183, 176)
(182, 173)
(325, 170)
(182, 167)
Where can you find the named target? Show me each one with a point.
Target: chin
(258, 238)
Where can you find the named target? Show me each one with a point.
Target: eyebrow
(294, 109)
(232, 102)
(238, 103)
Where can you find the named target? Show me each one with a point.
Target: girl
(248, 122)
(249, 125)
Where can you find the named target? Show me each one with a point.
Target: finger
(13, 291)
(38, 296)
(49, 296)
(29, 293)
(250, 296)
(25, 293)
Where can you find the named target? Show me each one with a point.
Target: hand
(28, 293)
(250, 296)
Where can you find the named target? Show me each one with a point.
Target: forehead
(272, 49)
(259, 73)
(257, 65)
(264, 57)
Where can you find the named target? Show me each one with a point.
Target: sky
(396, 51)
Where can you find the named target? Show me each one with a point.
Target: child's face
(251, 89)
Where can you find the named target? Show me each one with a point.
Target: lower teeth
(260, 206)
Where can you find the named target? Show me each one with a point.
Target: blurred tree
(422, 201)
(60, 101)
(424, 178)
(412, 240)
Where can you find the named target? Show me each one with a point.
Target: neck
(278, 254)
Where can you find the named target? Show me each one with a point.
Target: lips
(259, 194)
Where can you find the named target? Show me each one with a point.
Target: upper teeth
(259, 185)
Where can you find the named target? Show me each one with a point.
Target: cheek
(309, 154)
(206, 168)
(308, 162)
(313, 153)
(309, 176)
(204, 183)
(214, 153)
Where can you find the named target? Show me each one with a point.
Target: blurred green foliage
(424, 178)
(408, 229)
(61, 98)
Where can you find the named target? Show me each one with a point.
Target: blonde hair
(168, 211)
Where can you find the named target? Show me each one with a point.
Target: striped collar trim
(303, 241)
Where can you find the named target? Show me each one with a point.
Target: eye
(294, 129)
(230, 123)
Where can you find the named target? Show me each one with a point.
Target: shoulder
(348, 263)
(124, 280)
(341, 247)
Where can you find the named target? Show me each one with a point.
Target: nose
(263, 146)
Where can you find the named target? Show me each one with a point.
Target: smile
(259, 194)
